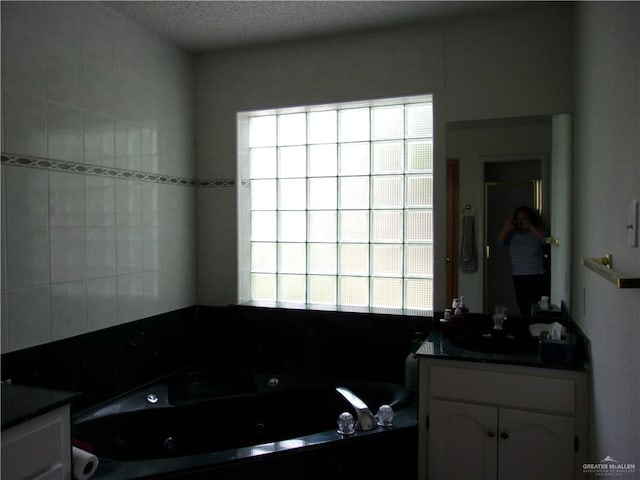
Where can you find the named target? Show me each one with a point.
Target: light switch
(632, 224)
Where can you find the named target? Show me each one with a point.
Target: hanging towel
(468, 250)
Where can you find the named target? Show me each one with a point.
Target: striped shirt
(527, 256)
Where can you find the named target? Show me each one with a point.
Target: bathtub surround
(105, 363)
(360, 346)
(111, 361)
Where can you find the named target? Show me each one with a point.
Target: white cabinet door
(534, 446)
(39, 448)
(56, 473)
(462, 441)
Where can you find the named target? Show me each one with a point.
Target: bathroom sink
(493, 344)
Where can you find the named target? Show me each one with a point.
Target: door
(501, 200)
(462, 441)
(535, 446)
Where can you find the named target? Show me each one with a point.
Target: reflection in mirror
(510, 184)
(501, 164)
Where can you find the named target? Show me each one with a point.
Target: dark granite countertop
(522, 350)
(21, 403)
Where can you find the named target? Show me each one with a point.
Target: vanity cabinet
(482, 442)
(39, 448)
(492, 421)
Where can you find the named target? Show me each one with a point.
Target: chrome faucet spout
(366, 420)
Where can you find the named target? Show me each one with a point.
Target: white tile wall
(149, 150)
(67, 248)
(64, 133)
(64, 71)
(68, 309)
(151, 251)
(213, 203)
(100, 198)
(129, 246)
(25, 68)
(26, 193)
(155, 296)
(130, 294)
(80, 252)
(128, 143)
(102, 305)
(27, 257)
(3, 254)
(97, 87)
(30, 308)
(66, 200)
(24, 124)
(101, 252)
(151, 207)
(64, 21)
(98, 36)
(99, 139)
(128, 203)
(4, 334)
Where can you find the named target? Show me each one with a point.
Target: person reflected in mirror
(523, 235)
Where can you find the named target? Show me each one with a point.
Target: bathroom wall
(98, 202)
(477, 67)
(606, 179)
(349, 67)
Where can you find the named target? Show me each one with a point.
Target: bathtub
(209, 419)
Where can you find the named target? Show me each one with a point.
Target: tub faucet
(366, 420)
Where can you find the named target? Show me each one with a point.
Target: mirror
(493, 167)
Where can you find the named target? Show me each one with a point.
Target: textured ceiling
(208, 25)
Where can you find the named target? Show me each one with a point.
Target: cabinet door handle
(504, 435)
(491, 434)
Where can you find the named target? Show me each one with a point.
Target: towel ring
(468, 209)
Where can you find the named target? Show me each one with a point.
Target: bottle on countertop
(411, 363)
(462, 305)
(458, 307)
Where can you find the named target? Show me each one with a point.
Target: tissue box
(559, 352)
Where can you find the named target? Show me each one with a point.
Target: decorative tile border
(215, 183)
(88, 169)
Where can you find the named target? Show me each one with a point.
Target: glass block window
(341, 204)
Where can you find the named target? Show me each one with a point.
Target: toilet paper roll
(84, 464)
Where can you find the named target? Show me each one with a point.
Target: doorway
(508, 185)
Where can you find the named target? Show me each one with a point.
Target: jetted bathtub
(201, 420)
